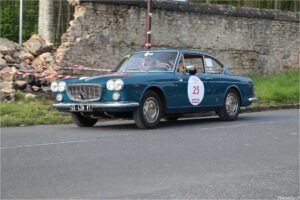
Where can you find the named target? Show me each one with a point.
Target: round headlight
(61, 86)
(118, 84)
(54, 86)
(116, 96)
(110, 85)
(59, 97)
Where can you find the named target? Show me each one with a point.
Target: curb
(247, 110)
(270, 107)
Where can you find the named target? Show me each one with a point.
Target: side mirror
(227, 71)
(191, 69)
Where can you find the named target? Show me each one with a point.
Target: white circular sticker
(195, 90)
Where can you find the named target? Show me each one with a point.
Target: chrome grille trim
(92, 92)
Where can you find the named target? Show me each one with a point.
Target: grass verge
(277, 89)
(24, 112)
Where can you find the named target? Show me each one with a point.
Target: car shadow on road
(182, 122)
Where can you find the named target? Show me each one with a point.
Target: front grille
(84, 92)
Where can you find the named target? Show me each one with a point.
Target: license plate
(81, 107)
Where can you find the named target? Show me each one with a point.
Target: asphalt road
(256, 156)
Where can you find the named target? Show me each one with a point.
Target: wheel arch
(161, 94)
(236, 88)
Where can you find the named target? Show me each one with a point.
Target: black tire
(231, 107)
(83, 121)
(148, 119)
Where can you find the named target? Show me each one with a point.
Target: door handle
(208, 78)
(179, 79)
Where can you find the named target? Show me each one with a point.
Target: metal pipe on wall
(148, 28)
(21, 22)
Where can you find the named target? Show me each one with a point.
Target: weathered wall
(247, 40)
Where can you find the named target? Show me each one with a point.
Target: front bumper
(252, 99)
(106, 105)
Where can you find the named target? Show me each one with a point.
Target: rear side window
(212, 66)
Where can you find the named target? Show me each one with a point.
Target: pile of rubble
(19, 66)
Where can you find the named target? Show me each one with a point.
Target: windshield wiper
(135, 69)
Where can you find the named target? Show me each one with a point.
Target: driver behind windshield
(149, 61)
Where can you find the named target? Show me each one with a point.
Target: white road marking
(94, 139)
(218, 127)
(51, 143)
(236, 125)
(292, 133)
(56, 143)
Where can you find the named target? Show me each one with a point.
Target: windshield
(148, 62)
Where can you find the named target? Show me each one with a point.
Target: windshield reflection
(148, 62)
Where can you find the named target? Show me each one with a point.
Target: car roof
(175, 50)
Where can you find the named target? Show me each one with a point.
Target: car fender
(235, 87)
(161, 94)
(152, 86)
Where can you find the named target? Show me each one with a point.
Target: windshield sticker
(208, 62)
(195, 90)
(148, 54)
(83, 78)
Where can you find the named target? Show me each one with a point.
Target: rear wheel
(231, 108)
(83, 121)
(148, 114)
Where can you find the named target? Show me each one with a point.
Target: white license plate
(81, 107)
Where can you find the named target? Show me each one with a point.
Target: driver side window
(196, 61)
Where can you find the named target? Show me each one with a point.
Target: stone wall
(29, 68)
(250, 41)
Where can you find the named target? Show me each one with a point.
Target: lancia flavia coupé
(153, 84)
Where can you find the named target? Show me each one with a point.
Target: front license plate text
(81, 107)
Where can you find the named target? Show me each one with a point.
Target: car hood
(95, 79)
(125, 76)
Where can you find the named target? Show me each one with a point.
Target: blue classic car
(152, 84)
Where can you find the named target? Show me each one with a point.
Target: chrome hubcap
(231, 104)
(151, 110)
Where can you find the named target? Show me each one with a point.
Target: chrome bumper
(124, 104)
(253, 99)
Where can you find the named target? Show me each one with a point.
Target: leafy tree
(288, 5)
(9, 19)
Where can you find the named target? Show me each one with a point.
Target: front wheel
(231, 108)
(148, 114)
(83, 121)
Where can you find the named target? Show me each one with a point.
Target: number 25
(196, 90)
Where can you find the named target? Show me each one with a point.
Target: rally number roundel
(195, 90)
